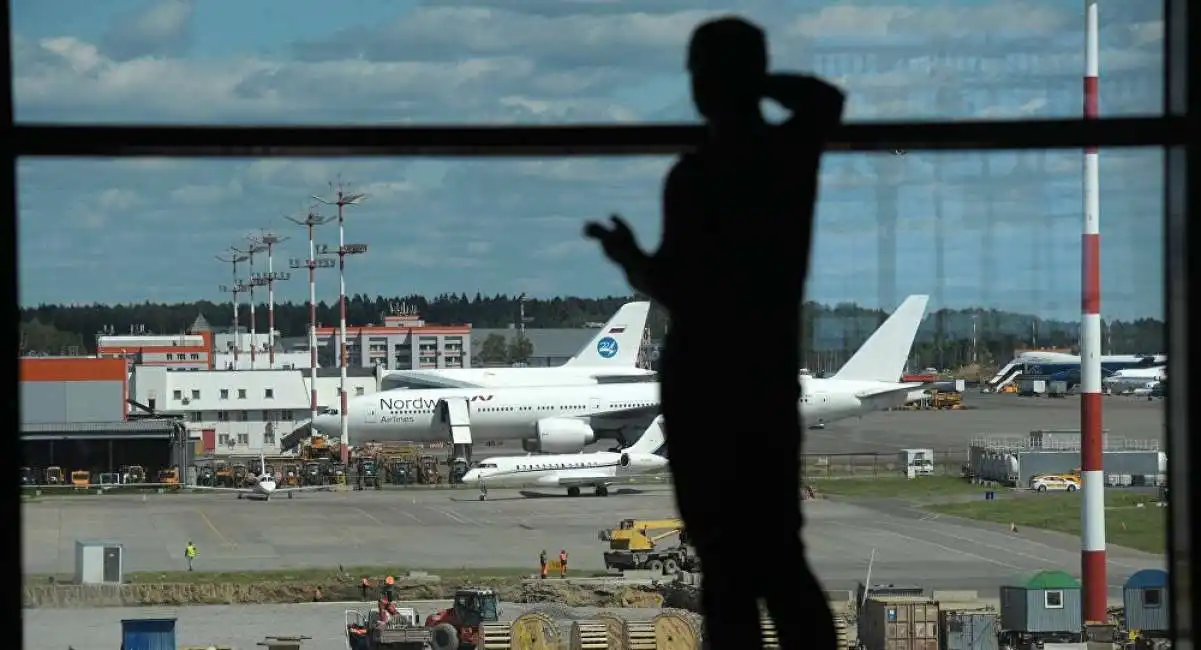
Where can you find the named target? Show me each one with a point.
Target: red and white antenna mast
(1092, 445)
(311, 221)
(268, 241)
(343, 199)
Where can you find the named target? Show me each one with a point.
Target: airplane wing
(207, 488)
(885, 391)
(303, 488)
(585, 481)
(638, 413)
(418, 379)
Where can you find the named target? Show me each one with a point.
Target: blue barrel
(148, 634)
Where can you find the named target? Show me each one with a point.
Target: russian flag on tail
(617, 330)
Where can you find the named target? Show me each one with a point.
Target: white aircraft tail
(651, 440)
(617, 343)
(882, 357)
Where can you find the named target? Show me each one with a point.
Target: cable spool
(534, 631)
(677, 630)
(616, 627)
(496, 636)
(589, 635)
(840, 630)
(767, 631)
(640, 635)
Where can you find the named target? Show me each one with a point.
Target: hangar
(74, 415)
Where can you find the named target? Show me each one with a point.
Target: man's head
(727, 59)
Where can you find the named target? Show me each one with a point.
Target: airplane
(1060, 366)
(597, 470)
(610, 356)
(263, 485)
(1135, 378)
(565, 419)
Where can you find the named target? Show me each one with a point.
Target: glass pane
(541, 61)
(993, 239)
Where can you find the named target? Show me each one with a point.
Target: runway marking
(407, 514)
(209, 522)
(949, 549)
(368, 515)
(455, 517)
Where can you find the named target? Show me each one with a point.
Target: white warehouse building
(242, 412)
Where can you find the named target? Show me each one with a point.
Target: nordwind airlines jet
(564, 419)
(263, 485)
(610, 356)
(597, 470)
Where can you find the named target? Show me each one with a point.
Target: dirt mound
(594, 594)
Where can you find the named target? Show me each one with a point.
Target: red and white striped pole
(312, 323)
(1092, 475)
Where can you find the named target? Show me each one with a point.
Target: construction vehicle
(168, 477)
(368, 475)
(428, 472)
(81, 479)
(29, 476)
(133, 474)
(945, 400)
(403, 631)
(54, 475)
(633, 546)
(240, 475)
(206, 476)
(313, 474)
(223, 474)
(291, 475)
(458, 627)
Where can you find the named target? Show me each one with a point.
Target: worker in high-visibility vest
(390, 588)
(364, 587)
(189, 553)
(542, 564)
(562, 563)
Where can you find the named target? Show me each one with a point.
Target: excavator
(634, 545)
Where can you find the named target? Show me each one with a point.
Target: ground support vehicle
(633, 548)
(458, 627)
(401, 632)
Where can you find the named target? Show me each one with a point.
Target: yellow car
(1054, 484)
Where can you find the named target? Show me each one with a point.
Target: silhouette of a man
(737, 218)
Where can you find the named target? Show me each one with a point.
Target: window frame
(1182, 182)
(1047, 599)
(1158, 598)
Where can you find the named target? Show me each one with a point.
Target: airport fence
(880, 464)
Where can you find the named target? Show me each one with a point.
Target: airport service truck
(917, 462)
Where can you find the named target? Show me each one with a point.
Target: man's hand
(618, 242)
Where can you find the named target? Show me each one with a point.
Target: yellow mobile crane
(634, 545)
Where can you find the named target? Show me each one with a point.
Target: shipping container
(148, 634)
(899, 623)
(969, 631)
(1057, 388)
(1032, 386)
(1016, 466)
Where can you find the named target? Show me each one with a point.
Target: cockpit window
(487, 465)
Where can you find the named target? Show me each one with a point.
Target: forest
(948, 338)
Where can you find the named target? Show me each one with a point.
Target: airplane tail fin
(651, 440)
(882, 357)
(617, 343)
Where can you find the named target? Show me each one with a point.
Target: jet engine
(560, 436)
(625, 460)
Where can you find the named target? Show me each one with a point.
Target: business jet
(564, 419)
(1134, 379)
(263, 485)
(597, 470)
(611, 356)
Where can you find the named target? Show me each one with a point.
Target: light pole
(268, 240)
(342, 199)
(311, 221)
(252, 247)
(233, 259)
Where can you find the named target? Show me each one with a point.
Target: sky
(1007, 225)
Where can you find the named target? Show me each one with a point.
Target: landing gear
(573, 491)
(602, 491)
(290, 495)
(239, 495)
(483, 492)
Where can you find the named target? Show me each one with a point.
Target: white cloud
(163, 28)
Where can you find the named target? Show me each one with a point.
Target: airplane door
(371, 416)
(594, 404)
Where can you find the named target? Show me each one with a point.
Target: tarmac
(430, 529)
(986, 415)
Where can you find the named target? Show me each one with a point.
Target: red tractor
(458, 627)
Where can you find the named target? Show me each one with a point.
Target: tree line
(947, 339)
